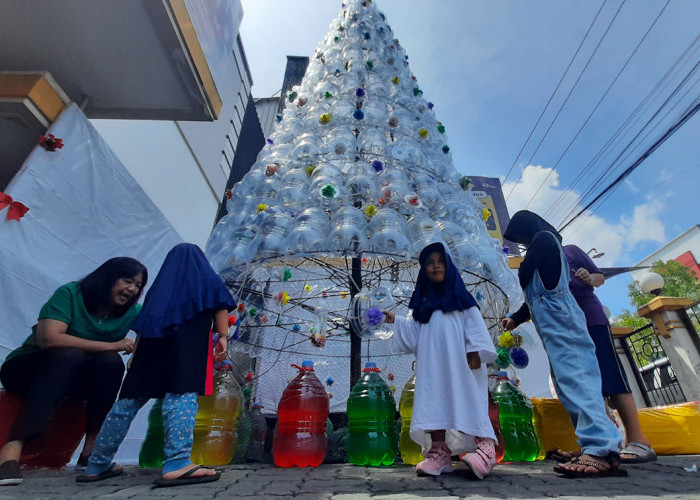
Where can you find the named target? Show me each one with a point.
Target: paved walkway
(666, 478)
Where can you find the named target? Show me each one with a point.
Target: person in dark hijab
(172, 362)
(452, 345)
(544, 278)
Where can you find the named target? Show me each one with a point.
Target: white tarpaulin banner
(84, 208)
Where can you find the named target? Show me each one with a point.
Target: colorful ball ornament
(445, 149)
(358, 114)
(423, 132)
(291, 96)
(329, 381)
(506, 339)
(370, 210)
(519, 357)
(395, 80)
(377, 166)
(325, 118)
(465, 182)
(503, 359)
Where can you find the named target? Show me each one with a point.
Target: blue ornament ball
(519, 357)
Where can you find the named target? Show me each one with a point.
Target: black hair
(97, 286)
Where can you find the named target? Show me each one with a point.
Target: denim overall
(562, 328)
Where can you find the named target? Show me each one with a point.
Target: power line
(605, 94)
(649, 121)
(626, 124)
(554, 120)
(688, 114)
(585, 37)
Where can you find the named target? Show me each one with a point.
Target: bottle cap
(307, 363)
(502, 373)
(370, 364)
(255, 405)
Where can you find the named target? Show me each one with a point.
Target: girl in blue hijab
(452, 344)
(172, 362)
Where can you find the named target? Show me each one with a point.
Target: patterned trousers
(179, 412)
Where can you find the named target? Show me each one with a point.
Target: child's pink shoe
(438, 460)
(481, 461)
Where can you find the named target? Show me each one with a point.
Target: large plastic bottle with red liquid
(515, 415)
(300, 440)
(371, 420)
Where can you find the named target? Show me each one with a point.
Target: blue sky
(490, 67)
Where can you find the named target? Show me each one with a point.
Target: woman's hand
(389, 316)
(474, 360)
(508, 323)
(127, 345)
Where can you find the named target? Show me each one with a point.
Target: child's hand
(220, 348)
(474, 360)
(389, 316)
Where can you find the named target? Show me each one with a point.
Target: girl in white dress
(452, 346)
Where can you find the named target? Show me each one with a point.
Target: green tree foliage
(679, 281)
(629, 319)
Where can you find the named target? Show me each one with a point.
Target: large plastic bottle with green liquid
(152, 454)
(215, 433)
(410, 450)
(371, 420)
(515, 414)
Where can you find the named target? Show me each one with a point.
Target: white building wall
(156, 155)
(688, 241)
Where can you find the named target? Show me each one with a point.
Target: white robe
(449, 395)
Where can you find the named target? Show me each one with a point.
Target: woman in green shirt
(73, 351)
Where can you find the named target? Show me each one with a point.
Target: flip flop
(561, 456)
(187, 478)
(113, 471)
(641, 452)
(611, 471)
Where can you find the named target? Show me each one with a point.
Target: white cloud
(615, 238)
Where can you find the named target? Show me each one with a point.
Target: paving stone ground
(666, 478)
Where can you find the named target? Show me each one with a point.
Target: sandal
(561, 456)
(113, 471)
(641, 453)
(605, 466)
(187, 478)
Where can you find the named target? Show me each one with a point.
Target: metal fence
(654, 373)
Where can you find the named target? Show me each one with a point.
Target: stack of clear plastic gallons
(215, 432)
(356, 152)
(371, 420)
(516, 418)
(301, 439)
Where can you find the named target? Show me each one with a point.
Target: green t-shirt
(66, 305)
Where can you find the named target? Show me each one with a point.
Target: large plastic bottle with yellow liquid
(215, 432)
(409, 449)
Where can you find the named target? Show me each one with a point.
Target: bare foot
(200, 473)
(588, 464)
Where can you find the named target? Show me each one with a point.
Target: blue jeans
(179, 412)
(562, 328)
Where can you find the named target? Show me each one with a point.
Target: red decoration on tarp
(229, 194)
(17, 209)
(50, 142)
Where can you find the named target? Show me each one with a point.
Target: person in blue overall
(560, 323)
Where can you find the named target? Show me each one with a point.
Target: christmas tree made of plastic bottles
(355, 181)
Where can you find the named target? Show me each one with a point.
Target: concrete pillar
(619, 334)
(681, 345)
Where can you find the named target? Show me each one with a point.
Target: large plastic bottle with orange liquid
(301, 421)
(215, 433)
